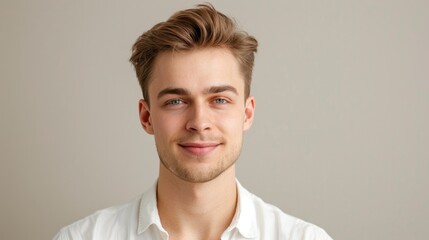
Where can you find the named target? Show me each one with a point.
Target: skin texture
(197, 114)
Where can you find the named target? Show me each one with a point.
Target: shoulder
(273, 223)
(102, 224)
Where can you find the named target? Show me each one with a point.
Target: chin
(200, 174)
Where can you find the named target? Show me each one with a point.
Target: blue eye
(220, 101)
(175, 102)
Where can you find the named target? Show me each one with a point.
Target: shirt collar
(244, 219)
(245, 216)
(148, 211)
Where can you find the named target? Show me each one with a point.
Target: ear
(249, 113)
(144, 113)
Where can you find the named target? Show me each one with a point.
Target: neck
(196, 210)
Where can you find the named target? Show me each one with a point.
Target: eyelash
(174, 101)
(178, 101)
(223, 100)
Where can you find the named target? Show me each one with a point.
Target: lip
(199, 149)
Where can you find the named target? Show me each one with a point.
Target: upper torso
(139, 220)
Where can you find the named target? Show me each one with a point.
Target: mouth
(199, 149)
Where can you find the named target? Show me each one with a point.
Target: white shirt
(139, 220)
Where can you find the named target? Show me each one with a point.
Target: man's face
(197, 112)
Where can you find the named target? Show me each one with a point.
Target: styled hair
(199, 27)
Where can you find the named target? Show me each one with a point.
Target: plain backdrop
(341, 134)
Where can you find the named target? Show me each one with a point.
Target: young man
(195, 71)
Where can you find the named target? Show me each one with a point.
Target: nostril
(197, 126)
(198, 117)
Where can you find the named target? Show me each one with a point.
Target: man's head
(195, 71)
(200, 27)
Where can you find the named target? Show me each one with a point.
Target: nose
(199, 118)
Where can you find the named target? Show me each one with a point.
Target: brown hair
(198, 27)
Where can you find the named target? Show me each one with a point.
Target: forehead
(195, 69)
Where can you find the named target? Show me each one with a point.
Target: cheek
(232, 123)
(165, 125)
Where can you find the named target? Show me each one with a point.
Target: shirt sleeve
(67, 234)
(61, 236)
(319, 234)
(308, 231)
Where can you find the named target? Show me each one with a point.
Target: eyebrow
(175, 91)
(222, 88)
(185, 92)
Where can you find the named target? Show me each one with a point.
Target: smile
(199, 149)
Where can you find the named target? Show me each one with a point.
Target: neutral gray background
(340, 138)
